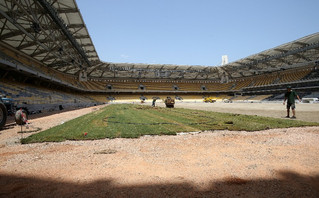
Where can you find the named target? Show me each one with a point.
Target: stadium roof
(292, 54)
(54, 33)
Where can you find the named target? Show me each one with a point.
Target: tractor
(169, 102)
(9, 103)
(3, 114)
(7, 108)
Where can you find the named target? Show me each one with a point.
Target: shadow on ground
(289, 184)
(8, 126)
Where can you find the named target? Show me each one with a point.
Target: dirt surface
(304, 111)
(271, 163)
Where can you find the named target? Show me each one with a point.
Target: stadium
(49, 67)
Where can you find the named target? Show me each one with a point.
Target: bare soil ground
(271, 163)
(304, 111)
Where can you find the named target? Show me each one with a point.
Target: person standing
(290, 96)
(153, 103)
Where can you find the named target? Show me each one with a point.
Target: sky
(194, 32)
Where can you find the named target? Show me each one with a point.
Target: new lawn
(132, 121)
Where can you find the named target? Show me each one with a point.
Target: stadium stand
(293, 75)
(39, 98)
(158, 86)
(127, 97)
(312, 95)
(246, 82)
(264, 79)
(101, 98)
(240, 97)
(125, 85)
(218, 86)
(30, 94)
(259, 97)
(313, 74)
(191, 86)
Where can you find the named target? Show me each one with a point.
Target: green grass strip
(133, 121)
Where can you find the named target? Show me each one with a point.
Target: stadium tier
(293, 75)
(265, 79)
(313, 75)
(240, 97)
(39, 98)
(118, 85)
(246, 82)
(259, 97)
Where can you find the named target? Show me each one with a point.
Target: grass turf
(132, 121)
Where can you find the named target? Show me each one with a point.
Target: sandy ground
(271, 163)
(304, 111)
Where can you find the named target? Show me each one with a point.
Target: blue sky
(194, 32)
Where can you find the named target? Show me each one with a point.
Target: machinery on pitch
(169, 102)
(3, 113)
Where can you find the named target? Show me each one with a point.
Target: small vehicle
(227, 101)
(169, 102)
(209, 100)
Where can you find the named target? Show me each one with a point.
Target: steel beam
(285, 54)
(22, 29)
(53, 14)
